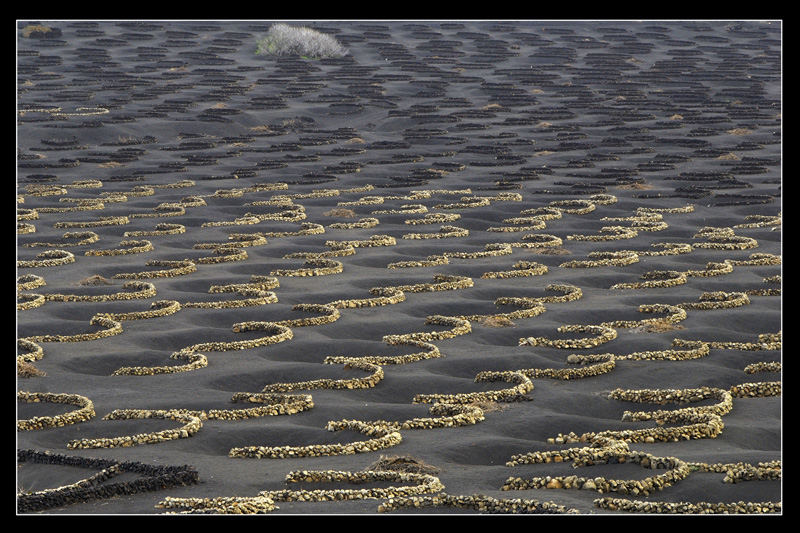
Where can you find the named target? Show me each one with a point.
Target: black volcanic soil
(657, 114)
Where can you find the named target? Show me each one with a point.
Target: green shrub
(282, 40)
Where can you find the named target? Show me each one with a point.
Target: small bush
(39, 31)
(497, 322)
(340, 212)
(28, 370)
(402, 463)
(95, 280)
(282, 40)
(488, 406)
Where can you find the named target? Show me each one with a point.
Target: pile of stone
(677, 315)
(167, 209)
(316, 193)
(277, 333)
(570, 294)
(655, 278)
(603, 334)
(336, 252)
(431, 260)
(175, 268)
(126, 247)
(538, 240)
(406, 209)
(335, 384)
(27, 301)
(111, 328)
(514, 394)
(192, 201)
(83, 237)
(476, 502)
(314, 267)
(433, 218)
(151, 478)
(676, 470)
(140, 191)
(449, 415)
(48, 258)
(459, 326)
(607, 233)
(574, 207)
(240, 221)
(236, 240)
(135, 290)
(530, 224)
(668, 248)
(218, 505)
(363, 223)
(663, 396)
(27, 214)
(306, 228)
(772, 366)
(696, 349)
(222, 255)
(521, 269)
(157, 309)
(723, 239)
(364, 200)
(84, 412)
(530, 307)
(601, 259)
(737, 472)
(543, 213)
(196, 361)
(490, 250)
(633, 506)
(374, 240)
(273, 405)
(329, 314)
(291, 213)
(504, 197)
(263, 283)
(116, 198)
(192, 422)
(599, 364)
(766, 341)
(162, 228)
(33, 352)
(696, 426)
(381, 437)
(35, 189)
(443, 233)
(442, 282)
(466, 202)
(414, 484)
(761, 221)
(685, 209)
(712, 269)
(718, 300)
(760, 389)
(527, 223)
(641, 221)
(430, 351)
(387, 296)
